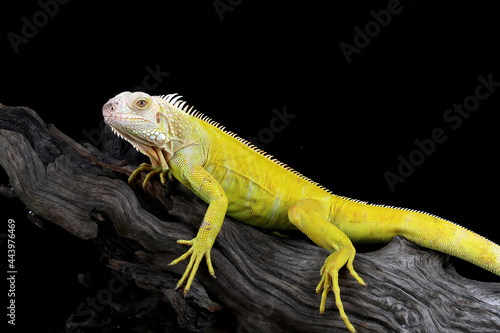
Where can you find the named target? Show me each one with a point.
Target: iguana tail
(441, 235)
(379, 223)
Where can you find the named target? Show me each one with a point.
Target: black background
(352, 121)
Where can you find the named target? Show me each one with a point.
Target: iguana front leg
(152, 171)
(196, 178)
(311, 217)
(159, 165)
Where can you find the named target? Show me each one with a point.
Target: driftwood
(265, 283)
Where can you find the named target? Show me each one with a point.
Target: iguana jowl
(238, 179)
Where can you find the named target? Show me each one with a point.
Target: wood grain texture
(265, 283)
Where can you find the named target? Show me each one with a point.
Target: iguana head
(138, 118)
(157, 126)
(154, 125)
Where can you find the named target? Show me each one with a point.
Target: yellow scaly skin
(237, 179)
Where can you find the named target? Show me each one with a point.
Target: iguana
(236, 178)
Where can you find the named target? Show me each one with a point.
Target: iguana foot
(330, 273)
(198, 250)
(152, 171)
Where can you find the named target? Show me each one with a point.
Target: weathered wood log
(265, 282)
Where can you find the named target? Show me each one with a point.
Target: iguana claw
(197, 251)
(152, 171)
(330, 273)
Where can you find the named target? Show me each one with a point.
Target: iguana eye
(141, 103)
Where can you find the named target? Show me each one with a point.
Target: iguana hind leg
(311, 217)
(330, 276)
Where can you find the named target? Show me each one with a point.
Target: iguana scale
(236, 178)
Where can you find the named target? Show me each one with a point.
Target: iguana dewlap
(237, 179)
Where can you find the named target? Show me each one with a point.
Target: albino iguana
(236, 178)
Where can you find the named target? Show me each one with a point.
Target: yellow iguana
(236, 178)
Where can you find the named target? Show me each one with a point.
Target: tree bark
(265, 283)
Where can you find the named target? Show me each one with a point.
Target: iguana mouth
(138, 142)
